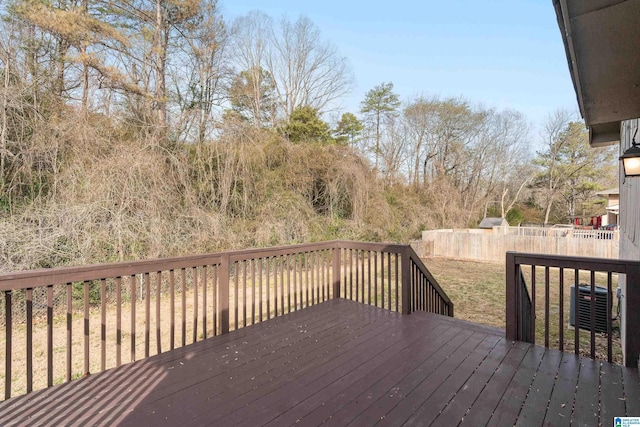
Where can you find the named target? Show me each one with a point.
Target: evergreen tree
(305, 125)
(348, 129)
(379, 102)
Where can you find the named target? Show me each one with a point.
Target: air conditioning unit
(584, 308)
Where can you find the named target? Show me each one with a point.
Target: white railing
(558, 232)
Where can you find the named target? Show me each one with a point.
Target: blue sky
(498, 53)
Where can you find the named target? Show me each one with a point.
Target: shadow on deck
(342, 362)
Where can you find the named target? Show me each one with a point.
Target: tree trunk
(85, 67)
(3, 130)
(160, 50)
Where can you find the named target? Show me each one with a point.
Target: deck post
(224, 293)
(632, 316)
(511, 298)
(406, 280)
(336, 270)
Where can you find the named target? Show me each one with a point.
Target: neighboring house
(610, 218)
(602, 46)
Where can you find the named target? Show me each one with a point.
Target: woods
(153, 128)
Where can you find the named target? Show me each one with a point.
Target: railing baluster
(389, 280)
(236, 300)
(306, 279)
(592, 312)
(147, 313)
(252, 264)
(397, 284)
(315, 280)
(282, 262)
(275, 285)
(183, 278)
(69, 329)
(158, 314)
(194, 279)
(362, 276)
(132, 282)
(546, 307)
(244, 293)
(172, 309)
(260, 286)
(576, 301)
(8, 344)
(357, 275)
(561, 309)
(609, 316)
(204, 301)
(346, 270)
(322, 283)
(224, 293)
(369, 277)
(29, 320)
(214, 301)
(268, 277)
(118, 321)
(86, 328)
(288, 260)
(375, 284)
(49, 335)
(382, 286)
(103, 324)
(532, 327)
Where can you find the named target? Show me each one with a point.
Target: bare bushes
(112, 197)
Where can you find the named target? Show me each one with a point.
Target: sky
(502, 54)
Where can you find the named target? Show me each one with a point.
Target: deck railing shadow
(75, 321)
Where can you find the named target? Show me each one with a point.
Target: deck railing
(547, 281)
(375, 274)
(73, 321)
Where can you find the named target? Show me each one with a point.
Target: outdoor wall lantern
(631, 158)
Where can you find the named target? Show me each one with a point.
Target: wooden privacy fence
(491, 246)
(73, 321)
(565, 301)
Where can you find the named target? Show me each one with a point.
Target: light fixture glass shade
(631, 161)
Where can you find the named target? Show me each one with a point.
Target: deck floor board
(344, 363)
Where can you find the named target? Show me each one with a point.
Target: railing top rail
(61, 275)
(245, 254)
(563, 261)
(369, 246)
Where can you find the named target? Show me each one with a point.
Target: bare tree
(198, 72)
(554, 125)
(306, 70)
(251, 41)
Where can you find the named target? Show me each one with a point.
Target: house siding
(629, 216)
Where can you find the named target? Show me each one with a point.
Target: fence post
(632, 316)
(512, 299)
(336, 270)
(224, 292)
(406, 280)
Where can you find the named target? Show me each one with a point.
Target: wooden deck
(340, 363)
